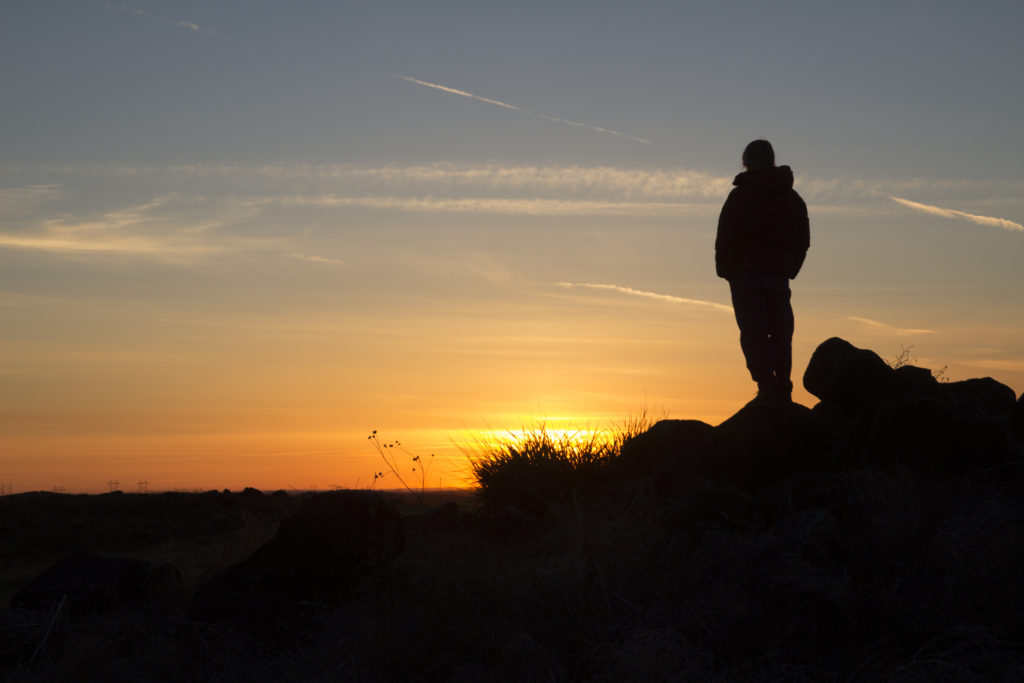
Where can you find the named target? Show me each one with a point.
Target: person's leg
(750, 306)
(780, 331)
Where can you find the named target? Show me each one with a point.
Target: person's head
(758, 154)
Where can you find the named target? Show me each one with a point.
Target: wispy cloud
(317, 259)
(120, 244)
(952, 213)
(666, 298)
(489, 205)
(191, 26)
(603, 182)
(138, 230)
(506, 105)
(19, 201)
(1005, 364)
(887, 329)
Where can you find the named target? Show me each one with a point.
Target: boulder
(855, 379)
(98, 585)
(761, 445)
(320, 555)
(912, 380)
(673, 452)
(981, 396)
(934, 437)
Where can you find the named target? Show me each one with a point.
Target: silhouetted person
(763, 237)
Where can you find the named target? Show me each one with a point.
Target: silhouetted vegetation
(539, 467)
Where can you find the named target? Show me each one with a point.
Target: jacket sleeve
(729, 228)
(802, 241)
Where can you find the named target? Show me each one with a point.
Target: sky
(238, 237)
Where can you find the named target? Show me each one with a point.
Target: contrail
(470, 95)
(191, 26)
(667, 298)
(952, 213)
(644, 141)
(506, 105)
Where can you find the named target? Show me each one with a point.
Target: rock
(934, 437)
(853, 378)
(981, 396)
(915, 381)
(672, 451)
(760, 445)
(753, 449)
(98, 585)
(321, 554)
(1018, 416)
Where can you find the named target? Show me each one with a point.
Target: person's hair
(758, 154)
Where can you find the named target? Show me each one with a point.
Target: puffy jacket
(763, 228)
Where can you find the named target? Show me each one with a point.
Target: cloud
(489, 205)
(603, 182)
(191, 26)
(126, 244)
(952, 213)
(318, 259)
(506, 105)
(134, 231)
(888, 329)
(20, 201)
(1004, 364)
(667, 298)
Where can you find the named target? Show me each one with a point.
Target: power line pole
(114, 485)
(143, 485)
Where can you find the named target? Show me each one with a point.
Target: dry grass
(537, 467)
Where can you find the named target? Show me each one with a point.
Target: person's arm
(729, 221)
(802, 241)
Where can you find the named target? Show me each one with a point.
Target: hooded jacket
(763, 228)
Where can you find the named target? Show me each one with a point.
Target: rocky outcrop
(753, 449)
(858, 380)
(96, 585)
(792, 458)
(905, 415)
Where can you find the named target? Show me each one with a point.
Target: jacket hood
(773, 179)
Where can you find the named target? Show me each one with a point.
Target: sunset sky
(236, 237)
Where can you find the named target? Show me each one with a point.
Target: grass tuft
(538, 466)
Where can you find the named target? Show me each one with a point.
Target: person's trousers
(765, 318)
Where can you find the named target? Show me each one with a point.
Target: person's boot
(766, 394)
(786, 391)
